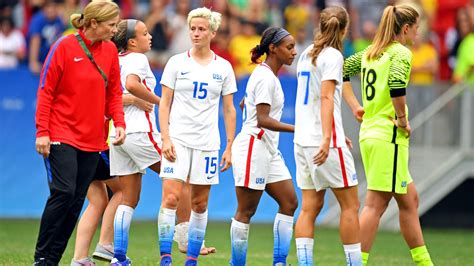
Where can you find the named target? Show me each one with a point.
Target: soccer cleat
(116, 262)
(40, 262)
(165, 260)
(190, 261)
(84, 262)
(280, 264)
(105, 253)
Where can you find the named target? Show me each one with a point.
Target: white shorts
(202, 167)
(138, 152)
(254, 166)
(337, 172)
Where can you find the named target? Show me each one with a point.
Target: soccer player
(385, 131)
(79, 86)
(141, 150)
(257, 163)
(323, 159)
(192, 84)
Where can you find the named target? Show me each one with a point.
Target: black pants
(69, 171)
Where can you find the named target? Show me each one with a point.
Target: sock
(304, 251)
(196, 232)
(353, 254)
(421, 257)
(123, 218)
(239, 239)
(282, 234)
(365, 258)
(166, 220)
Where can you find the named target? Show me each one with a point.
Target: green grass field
(447, 247)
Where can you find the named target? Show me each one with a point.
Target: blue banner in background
(23, 183)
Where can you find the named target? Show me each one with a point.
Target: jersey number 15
(200, 90)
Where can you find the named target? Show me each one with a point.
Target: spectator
(241, 44)
(219, 45)
(296, 16)
(464, 70)
(12, 49)
(179, 30)
(45, 28)
(455, 35)
(157, 24)
(369, 28)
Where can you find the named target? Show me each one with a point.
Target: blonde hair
(100, 10)
(332, 24)
(393, 20)
(214, 18)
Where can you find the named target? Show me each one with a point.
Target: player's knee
(170, 201)
(199, 206)
(289, 206)
(244, 216)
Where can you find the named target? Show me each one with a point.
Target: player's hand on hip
(226, 160)
(322, 154)
(359, 113)
(406, 128)
(119, 136)
(43, 145)
(168, 150)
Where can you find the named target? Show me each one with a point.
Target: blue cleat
(116, 262)
(190, 261)
(166, 260)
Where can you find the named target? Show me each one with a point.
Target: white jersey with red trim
(308, 128)
(136, 119)
(263, 87)
(197, 90)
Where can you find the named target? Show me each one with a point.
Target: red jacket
(72, 99)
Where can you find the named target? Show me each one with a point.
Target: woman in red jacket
(79, 87)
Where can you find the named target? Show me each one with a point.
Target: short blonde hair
(214, 18)
(99, 10)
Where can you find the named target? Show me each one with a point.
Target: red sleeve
(49, 79)
(114, 107)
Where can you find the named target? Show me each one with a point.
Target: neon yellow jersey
(381, 79)
(465, 63)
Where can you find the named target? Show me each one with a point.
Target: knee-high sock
(353, 254)
(282, 234)
(123, 218)
(166, 221)
(196, 233)
(239, 237)
(304, 251)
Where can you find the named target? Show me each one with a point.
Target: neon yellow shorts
(385, 165)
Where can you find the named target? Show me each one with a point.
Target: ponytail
(333, 23)
(393, 20)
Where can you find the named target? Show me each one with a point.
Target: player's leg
(247, 203)
(375, 204)
(197, 221)
(311, 206)
(349, 223)
(105, 248)
(131, 187)
(410, 226)
(97, 196)
(284, 194)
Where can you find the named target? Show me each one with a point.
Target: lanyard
(88, 53)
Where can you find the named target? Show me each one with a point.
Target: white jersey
(136, 119)
(197, 91)
(308, 127)
(263, 87)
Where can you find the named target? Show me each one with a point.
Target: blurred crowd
(28, 28)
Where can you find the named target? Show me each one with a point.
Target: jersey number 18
(368, 82)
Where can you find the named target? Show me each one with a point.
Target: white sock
(196, 233)
(282, 235)
(239, 237)
(304, 251)
(353, 254)
(122, 221)
(166, 220)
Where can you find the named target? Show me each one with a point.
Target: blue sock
(239, 237)
(123, 218)
(282, 234)
(166, 220)
(353, 254)
(304, 251)
(196, 233)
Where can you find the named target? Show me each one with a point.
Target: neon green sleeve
(352, 65)
(399, 72)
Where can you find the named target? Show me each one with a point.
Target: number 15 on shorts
(211, 165)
